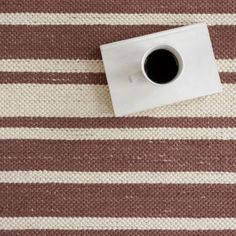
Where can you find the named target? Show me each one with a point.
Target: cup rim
(170, 49)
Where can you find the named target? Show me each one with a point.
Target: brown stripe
(118, 122)
(71, 42)
(52, 78)
(124, 155)
(73, 78)
(117, 233)
(63, 41)
(228, 78)
(101, 200)
(132, 6)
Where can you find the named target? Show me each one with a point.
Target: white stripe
(109, 223)
(228, 65)
(76, 66)
(48, 65)
(118, 133)
(67, 177)
(94, 101)
(114, 19)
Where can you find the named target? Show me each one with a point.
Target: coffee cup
(160, 65)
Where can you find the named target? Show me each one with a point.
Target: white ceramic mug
(142, 73)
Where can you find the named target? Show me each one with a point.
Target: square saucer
(199, 77)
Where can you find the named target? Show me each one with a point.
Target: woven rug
(69, 167)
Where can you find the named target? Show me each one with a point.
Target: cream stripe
(94, 101)
(48, 65)
(76, 66)
(228, 65)
(118, 133)
(108, 223)
(66, 177)
(114, 19)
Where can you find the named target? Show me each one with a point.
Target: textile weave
(69, 167)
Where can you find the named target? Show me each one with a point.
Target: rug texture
(69, 167)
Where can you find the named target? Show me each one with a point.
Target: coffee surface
(161, 66)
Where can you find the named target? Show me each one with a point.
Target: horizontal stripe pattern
(69, 167)
(114, 19)
(134, 6)
(81, 41)
(32, 100)
(118, 122)
(77, 66)
(90, 223)
(111, 200)
(119, 232)
(117, 177)
(74, 78)
(119, 133)
(119, 155)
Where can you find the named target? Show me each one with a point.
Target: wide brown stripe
(101, 200)
(118, 122)
(123, 155)
(117, 232)
(72, 42)
(73, 78)
(132, 6)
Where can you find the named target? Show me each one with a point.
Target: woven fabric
(69, 167)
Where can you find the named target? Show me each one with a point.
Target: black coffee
(161, 66)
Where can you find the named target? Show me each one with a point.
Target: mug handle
(136, 76)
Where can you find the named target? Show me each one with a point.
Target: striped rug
(68, 167)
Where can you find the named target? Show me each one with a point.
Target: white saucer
(199, 77)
